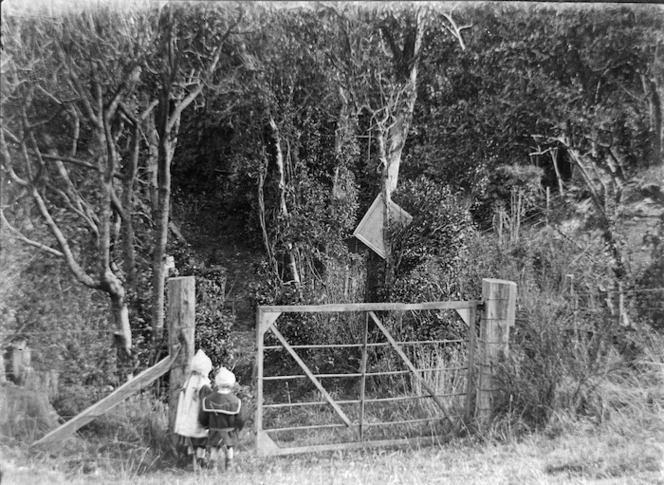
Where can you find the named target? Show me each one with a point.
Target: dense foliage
(522, 132)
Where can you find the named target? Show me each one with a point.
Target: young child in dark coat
(223, 414)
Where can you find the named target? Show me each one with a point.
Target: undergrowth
(131, 439)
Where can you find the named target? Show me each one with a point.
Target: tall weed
(132, 438)
(446, 376)
(567, 350)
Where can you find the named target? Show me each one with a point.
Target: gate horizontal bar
(365, 307)
(375, 423)
(312, 426)
(405, 421)
(357, 401)
(375, 344)
(319, 346)
(300, 376)
(382, 373)
(405, 398)
(309, 403)
(425, 440)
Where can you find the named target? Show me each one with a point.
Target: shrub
(132, 438)
(341, 281)
(439, 231)
(65, 324)
(566, 343)
(508, 184)
(213, 322)
(72, 399)
(429, 255)
(557, 359)
(650, 303)
(26, 414)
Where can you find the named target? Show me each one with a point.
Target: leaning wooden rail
(142, 380)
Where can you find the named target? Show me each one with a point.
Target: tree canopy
(294, 119)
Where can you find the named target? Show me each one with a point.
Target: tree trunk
(394, 140)
(657, 103)
(391, 141)
(127, 206)
(161, 217)
(655, 110)
(2, 207)
(281, 172)
(559, 178)
(606, 200)
(122, 329)
(406, 63)
(283, 208)
(261, 215)
(108, 280)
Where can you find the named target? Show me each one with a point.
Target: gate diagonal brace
(412, 368)
(313, 379)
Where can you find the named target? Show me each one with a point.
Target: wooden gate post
(181, 323)
(499, 298)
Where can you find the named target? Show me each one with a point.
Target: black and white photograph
(331, 243)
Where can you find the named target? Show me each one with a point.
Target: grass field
(620, 452)
(622, 444)
(616, 437)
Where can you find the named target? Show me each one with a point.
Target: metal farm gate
(449, 379)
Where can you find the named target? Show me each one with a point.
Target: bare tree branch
(78, 204)
(74, 161)
(455, 29)
(23, 238)
(7, 163)
(68, 255)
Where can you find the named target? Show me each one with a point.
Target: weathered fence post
(3, 374)
(181, 323)
(20, 363)
(499, 298)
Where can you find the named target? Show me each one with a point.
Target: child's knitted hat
(201, 363)
(224, 378)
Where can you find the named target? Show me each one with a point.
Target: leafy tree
(558, 88)
(377, 62)
(62, 322)
(593, 114)
(430, 254)
(81, 105)
(293, 110)
(439, 229)
(65, 139)
(190, 44)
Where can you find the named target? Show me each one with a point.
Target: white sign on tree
(370, 228)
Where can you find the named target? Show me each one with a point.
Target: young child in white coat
(189, 430)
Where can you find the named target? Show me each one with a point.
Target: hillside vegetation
(246, 141)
